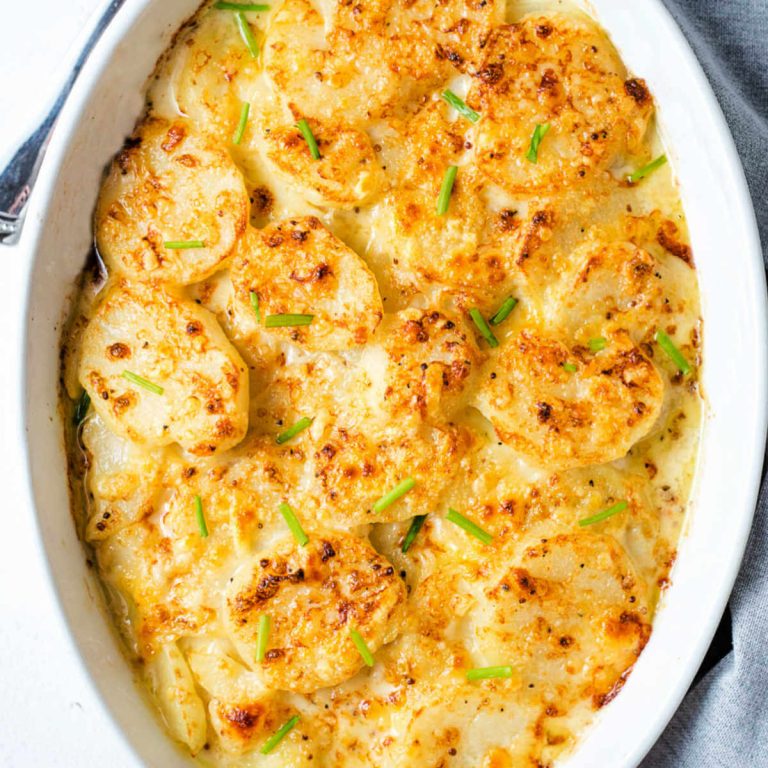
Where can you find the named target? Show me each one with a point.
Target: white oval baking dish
(101, 111)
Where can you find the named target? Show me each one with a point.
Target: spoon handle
(18, 177)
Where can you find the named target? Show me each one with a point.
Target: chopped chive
(257, 7)
(570, 367)
(200, 515)
(309, 137)
(81, 408)
(279, 735)
(444, 198)
(460, 106)
(470, 527)
(488, 673)
(397, 492)
(293, 523)
(299, 426)
(255, 305)
(362, 647)
(674, 354)
(483, 327)
(287, 321)
(262, 638)
(605, 514)
(180, 245)
(245, 110)
(641, 173)
(598, 343)
(503, 312)
(247, 34)
(538, 134)
(413, 532)
(135, 379)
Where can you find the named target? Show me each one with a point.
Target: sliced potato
(174, 689)
(569, 610)
(124, 479)
(352, 468)
(424, 368)
(314, 595)
(561, 418)
(299, 267)
(192, 386)
(347, 173)
(170, 183)
(207, 75)
(324, 74)
(564, 73)
(614, 282)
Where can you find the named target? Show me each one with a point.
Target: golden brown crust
(314, 595)
(140, 207)
(174, 345)
(550, 413)
(299, 267)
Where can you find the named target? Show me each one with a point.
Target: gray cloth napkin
(723, 720)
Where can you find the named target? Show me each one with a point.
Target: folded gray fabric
(723, 720)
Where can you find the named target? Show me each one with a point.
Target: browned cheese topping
(497, 358)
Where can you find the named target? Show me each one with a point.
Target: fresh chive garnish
(299, 426)
(81, 408)
(598, 343)
(255, 305)
(674, 354)
(460, 106)
(641, 173)
(503, 312)
(362, 647)
(470, 527)
(142, 382)
(605, 514)
(245, 110)
(483, 327)
(444, 198)
(488, 673)
(413, 532)
(247, 34)
(293, 523)
(397, 492)
(287, 321)
(200, 515)
(278, 735)
(244, 7)
(538, 134)
(309, 137)
(181, 245)
(570, 367)
(262, 638)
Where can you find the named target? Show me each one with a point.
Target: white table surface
(50, 716)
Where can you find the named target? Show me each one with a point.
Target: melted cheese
(526, 439)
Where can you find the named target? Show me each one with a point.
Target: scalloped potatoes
(373, 482)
